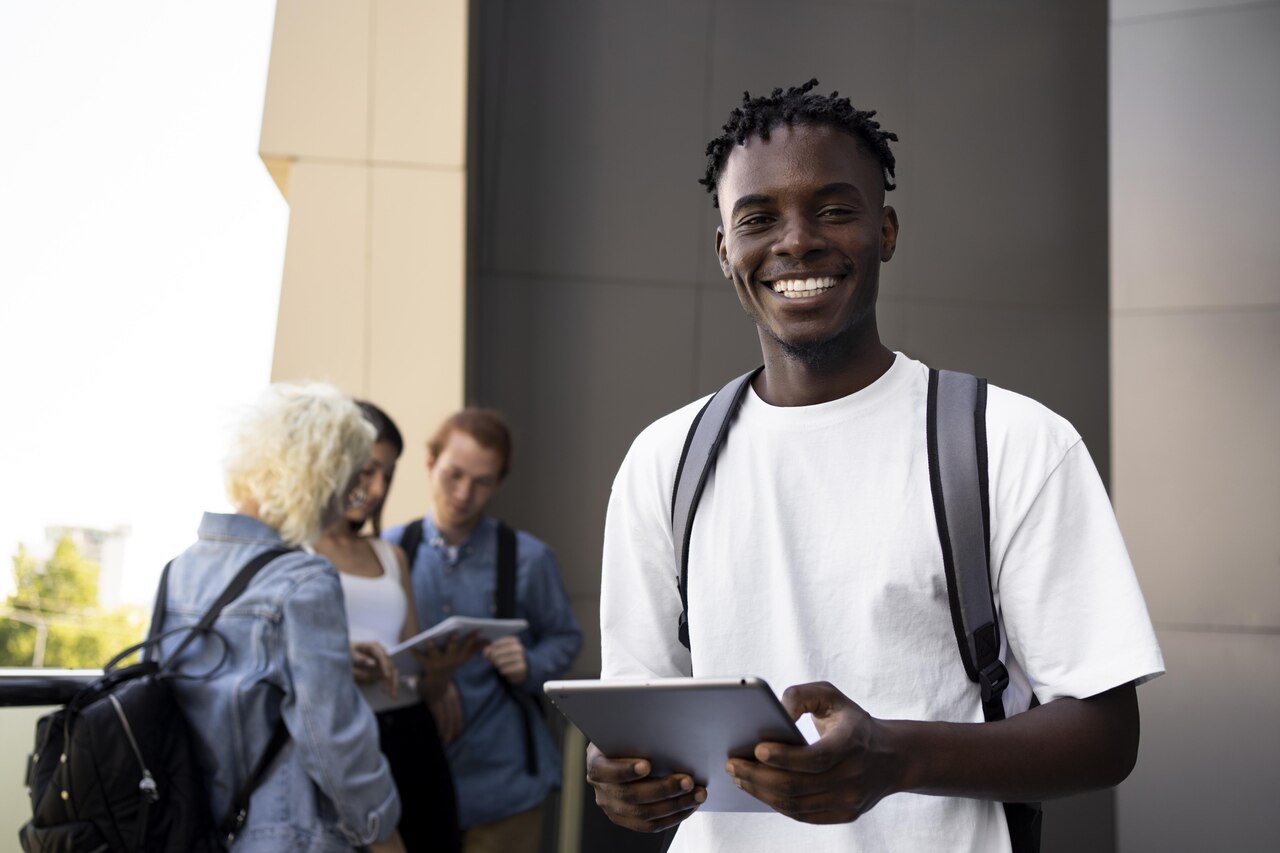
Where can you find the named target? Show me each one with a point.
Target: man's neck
(455, 536)
(788, 381)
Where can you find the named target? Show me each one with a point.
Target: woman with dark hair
(380, 614)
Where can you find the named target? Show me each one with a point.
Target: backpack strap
(505, 596)
(957, 439)
(411, 540)
(158, 610)
(505, 608)
(238, 811)
(701, 447)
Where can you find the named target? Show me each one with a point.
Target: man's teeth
(798, 288)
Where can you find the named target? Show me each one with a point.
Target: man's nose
(797, 237)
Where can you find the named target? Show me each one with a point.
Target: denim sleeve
(555, 632)
(334, 731)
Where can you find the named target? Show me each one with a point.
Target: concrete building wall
(364, 131)
(596, 302)
(1195, 306)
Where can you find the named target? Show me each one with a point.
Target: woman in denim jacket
(287, 651)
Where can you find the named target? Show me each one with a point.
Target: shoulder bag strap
(701, 447)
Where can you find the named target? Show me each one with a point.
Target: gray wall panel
(1196, 125)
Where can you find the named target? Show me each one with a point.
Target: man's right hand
(631, 799)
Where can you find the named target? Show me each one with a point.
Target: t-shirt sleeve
(639, 593)
(1072, 610)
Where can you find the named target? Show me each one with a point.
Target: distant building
(104, 547)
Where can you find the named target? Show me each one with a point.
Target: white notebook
(487, 629)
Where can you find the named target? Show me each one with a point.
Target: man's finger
(819, 698)
(817, 757)
(783, 783)
(601, 769)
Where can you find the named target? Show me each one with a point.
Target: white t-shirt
(814, 556)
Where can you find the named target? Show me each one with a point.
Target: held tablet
(688, 725)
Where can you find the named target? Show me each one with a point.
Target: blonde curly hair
(293, 452)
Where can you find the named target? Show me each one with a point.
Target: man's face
(464, 477)
(803, 232)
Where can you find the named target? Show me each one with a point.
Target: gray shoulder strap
(701, 447)
(957, 439)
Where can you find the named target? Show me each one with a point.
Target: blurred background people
(503, 759)
(380, 614)
(283, 653)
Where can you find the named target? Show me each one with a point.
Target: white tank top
(376, 606)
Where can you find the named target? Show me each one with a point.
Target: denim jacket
(287, 656)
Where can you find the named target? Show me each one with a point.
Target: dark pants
(428, 804)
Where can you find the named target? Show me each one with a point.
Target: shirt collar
(483, 533)
(221, 525)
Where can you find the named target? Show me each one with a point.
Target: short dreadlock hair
(758, 116)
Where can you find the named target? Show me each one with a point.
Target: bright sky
(141, 248)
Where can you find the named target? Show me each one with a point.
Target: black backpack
(956, 434)
(114, 770)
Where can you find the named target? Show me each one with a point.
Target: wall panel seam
(1153, 17)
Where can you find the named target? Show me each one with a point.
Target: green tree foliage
(56, 601)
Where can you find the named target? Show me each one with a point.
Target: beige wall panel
(317, 101)
(418, 313)
(1195, 163)
(1197, 464)
(420, 82)
(321, 330)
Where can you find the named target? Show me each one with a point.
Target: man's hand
(631, 799)
(507, 656)
(447, 711)
(439, 662)
(370, 663)
(836, 779)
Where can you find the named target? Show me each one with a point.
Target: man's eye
(836, 211)
(757, 219)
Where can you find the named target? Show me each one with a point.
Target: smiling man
(814, 559)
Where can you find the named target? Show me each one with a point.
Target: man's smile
(799, 288)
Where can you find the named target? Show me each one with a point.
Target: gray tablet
(687, 725)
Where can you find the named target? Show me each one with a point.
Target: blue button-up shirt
(488, 758)
(285, 655)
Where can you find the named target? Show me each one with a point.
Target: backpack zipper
(147, 785)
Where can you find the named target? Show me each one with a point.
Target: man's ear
(888, 232)
(722, 254)
(431, 460)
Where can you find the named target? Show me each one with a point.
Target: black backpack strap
(505, 608)
(957, 440)
(701, 447)
(505, 596)
(230, 594)
(238, 812)
(411, 541)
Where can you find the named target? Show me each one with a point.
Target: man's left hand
(507, 656)
(833, 780)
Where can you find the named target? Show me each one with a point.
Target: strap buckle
(992, 680)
